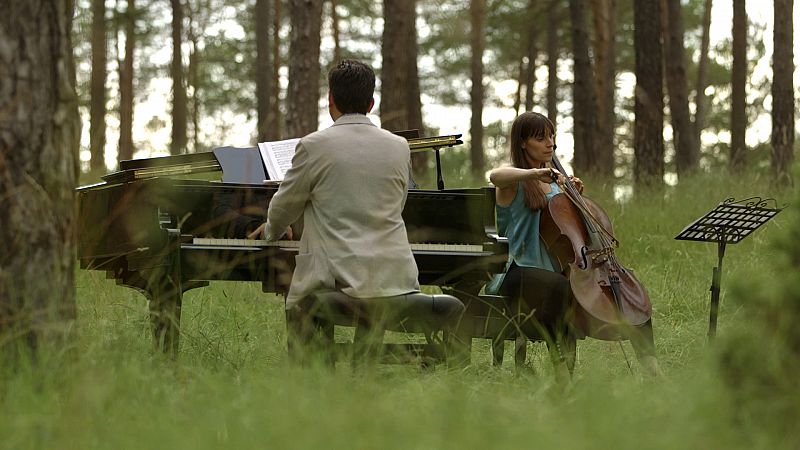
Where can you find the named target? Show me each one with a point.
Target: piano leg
(165, 312)
(164, 286)
(161, 286)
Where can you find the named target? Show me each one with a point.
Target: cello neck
(597, 232)
(569, 185)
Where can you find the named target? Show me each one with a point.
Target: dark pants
(546, 297)
(543, 296)
(642, 340)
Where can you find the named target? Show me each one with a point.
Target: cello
(579, 235)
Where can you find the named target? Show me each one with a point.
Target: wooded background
(263, 62)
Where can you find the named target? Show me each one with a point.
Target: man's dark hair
(352, 84)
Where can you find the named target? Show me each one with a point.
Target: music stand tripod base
(729, 223)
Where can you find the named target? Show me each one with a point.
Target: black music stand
(728, 223)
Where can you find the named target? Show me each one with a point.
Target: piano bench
(501, 318)
(310, 327)
(508, 320)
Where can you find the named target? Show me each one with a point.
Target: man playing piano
(349, 182)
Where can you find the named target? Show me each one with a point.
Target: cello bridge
(601, 256)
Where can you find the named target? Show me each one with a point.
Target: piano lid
(137, 169)
(239, 165)
(166, 161)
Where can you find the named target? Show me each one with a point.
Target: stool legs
(459, 344)
(520, 351)
(309, 338)
(367, 343)
(498, 350)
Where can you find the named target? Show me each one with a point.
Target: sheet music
(277, 157)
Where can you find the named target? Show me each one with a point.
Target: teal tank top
(521, 226)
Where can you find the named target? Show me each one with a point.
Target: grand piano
(159, 227)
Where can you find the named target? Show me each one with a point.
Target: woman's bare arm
(504, 177)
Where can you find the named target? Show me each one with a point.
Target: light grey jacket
(350, 183)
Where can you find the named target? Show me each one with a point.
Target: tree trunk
(126, 86)
(274, 119)
(419, 161)
(584, 160)
(179, 111)
(398, 28)
(263, 69)
(738, 86)
(605, 51)
(532, 52)
(553, 18)
(197, 14)
(400, 107)
(39, 136)
(337, 47)
(477, 11)
(648, 139)
(97, 108)
(302, 100)
(520, 85)
(193, 76)
(782, 93)
(193, 103)
(700, 99)
(686, 160)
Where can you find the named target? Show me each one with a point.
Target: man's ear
(371, 104)
(332, 108)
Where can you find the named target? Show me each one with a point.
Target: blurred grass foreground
(232, 386)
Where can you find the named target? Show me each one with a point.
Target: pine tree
(39, 134)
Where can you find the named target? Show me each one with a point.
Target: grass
(232, 387)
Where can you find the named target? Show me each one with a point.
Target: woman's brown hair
(525, 126)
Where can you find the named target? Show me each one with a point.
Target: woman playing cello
(532, 275)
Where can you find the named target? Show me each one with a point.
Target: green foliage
(719, 77)
(507, 27)
(445, 53)
(358, 28)
(224, 54)
(82, 50)
(446, 48)
(760, 362)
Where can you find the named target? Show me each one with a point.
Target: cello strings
(607, 240)
(576, 197)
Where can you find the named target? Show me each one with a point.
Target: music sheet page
(277, 157)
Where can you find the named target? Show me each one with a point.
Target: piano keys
(284, 244)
